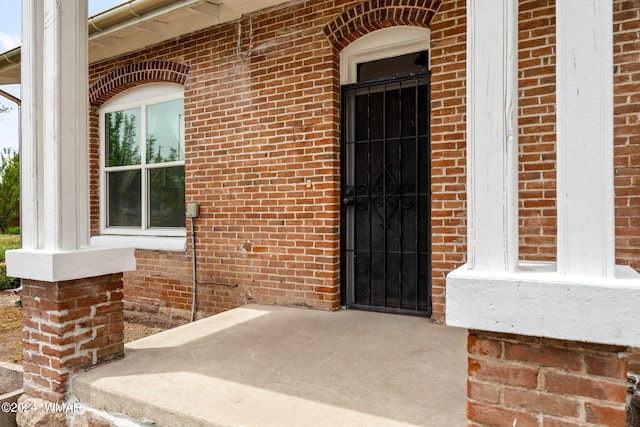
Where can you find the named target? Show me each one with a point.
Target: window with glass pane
(165, 132)
(166, 186)
(144, 166)
(122, 137)
(124, 198)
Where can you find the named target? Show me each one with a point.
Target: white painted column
(580, 299)
(585, 195)
(54, 142)
(492, 140)
(32, 119)
(65, 99)
(54, 157)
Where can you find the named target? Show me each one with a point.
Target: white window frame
(381, 44)
(143, 237)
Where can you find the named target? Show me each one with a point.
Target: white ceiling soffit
(10, 73)
(179, 18)
(250, 6)
(167, 20)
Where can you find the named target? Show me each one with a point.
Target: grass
(8, 241)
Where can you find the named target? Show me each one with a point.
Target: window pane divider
(122, 168)
(164, 164)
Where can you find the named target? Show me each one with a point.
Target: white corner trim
(56, 266)
(537, 301)
(153, 243)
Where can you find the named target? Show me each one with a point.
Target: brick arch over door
(373, 15)
(134, 74)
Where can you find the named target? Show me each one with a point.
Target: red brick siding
(261, 121)
(69, 326)
(627, 130)
(370, 15)
(634, 360)
(448, 145)
(160, 287)
(135, 74)
(262, 118)
(627, 138)
(542, 382)
(537, 131)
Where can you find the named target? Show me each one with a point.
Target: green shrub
(9, 187)
(13, 230)
(7, 282)
(7, 241)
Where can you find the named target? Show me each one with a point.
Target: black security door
(386, 236)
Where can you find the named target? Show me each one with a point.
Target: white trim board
(537, 301)
(57, 266)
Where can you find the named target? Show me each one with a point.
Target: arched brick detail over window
(373, 15)
(132, 75)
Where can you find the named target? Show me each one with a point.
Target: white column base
(537, 301)
(57, 266)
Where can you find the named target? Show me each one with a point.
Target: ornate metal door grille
(386, 232)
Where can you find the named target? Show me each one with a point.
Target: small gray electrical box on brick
(193, 210)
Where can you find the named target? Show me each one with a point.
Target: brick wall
(69, 326)
(525, 381)
(627, 130)
(262, 118)
(448, 144)
(155, 292)
(537, 133)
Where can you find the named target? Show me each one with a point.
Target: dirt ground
(11, 329)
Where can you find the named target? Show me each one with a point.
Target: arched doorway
(385, 216)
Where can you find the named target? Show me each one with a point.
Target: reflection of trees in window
(165, 131)
(144, 166)
(124, 148)
(154, 156)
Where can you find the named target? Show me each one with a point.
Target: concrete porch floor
(276, 366)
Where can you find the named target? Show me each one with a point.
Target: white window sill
(537, 301)
(154, 243)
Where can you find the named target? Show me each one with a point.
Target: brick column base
(523, 381)
(69, 326)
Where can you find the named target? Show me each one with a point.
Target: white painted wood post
(55, 153)
(54, 156)
(492, 135)
(585, 195)
(32, 115)
(585, 298)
